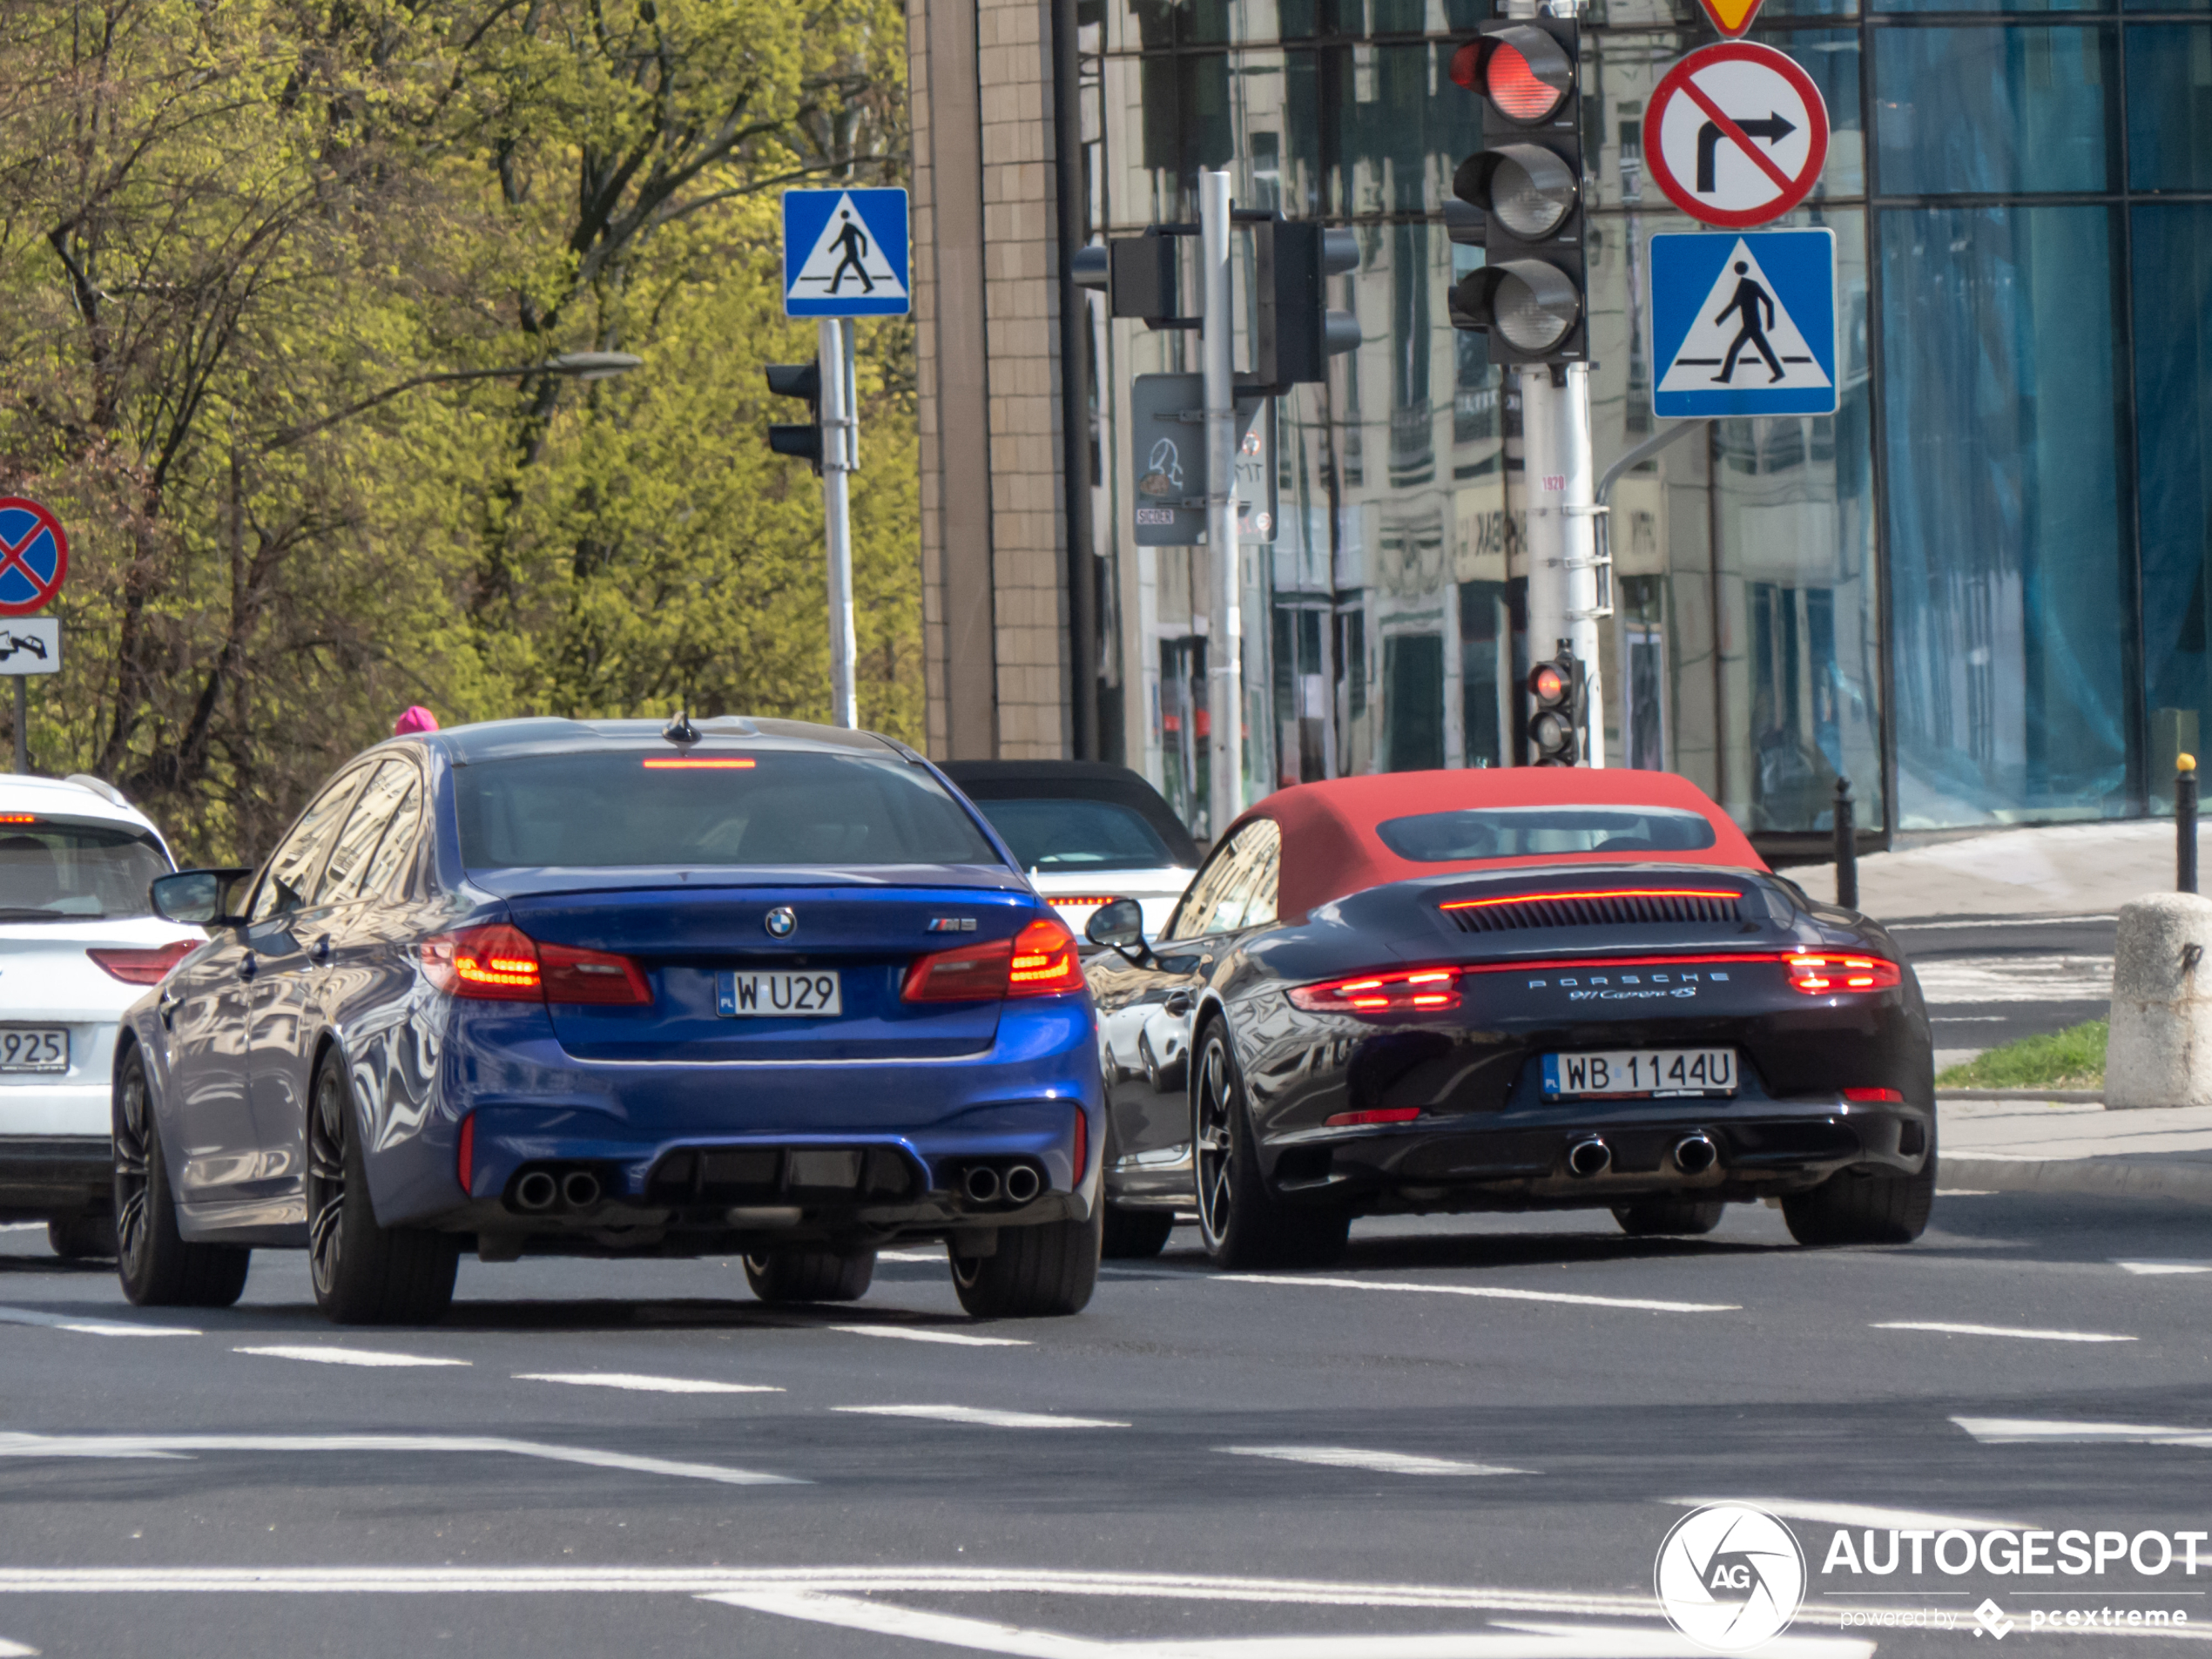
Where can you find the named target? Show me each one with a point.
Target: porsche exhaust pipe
(982, 1184)
(1695, 1154)
(1587, 1158)
(579, 1189)
(1023, 1183)
(536, 1190)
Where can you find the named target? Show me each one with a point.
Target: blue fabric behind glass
(2173, 445)
(2169, 107)
(1999, 344)
(1992, 110)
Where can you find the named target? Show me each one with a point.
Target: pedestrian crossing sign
(844, 254)
(1744, 323)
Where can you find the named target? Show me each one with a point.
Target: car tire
(810, 1275)
(1241, 1221)
(1864, 1206)
(157, 1266)
(81, 1237)
(1136, 1235)
(364, 1273)
(1038, 1273)
(1655, 1217)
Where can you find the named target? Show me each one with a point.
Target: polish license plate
(1656, 1072)
(34, 1047)
(743, 994)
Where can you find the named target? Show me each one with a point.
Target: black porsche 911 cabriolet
(1534, 988)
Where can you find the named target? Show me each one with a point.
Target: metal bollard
(2185, 823)
(1846, 848)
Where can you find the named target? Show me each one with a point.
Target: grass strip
(2074, 1058)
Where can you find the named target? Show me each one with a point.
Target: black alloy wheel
(1039, 1271)
(364, 1274)
(810, 1275)
(1241, 1221)
(157, 1267)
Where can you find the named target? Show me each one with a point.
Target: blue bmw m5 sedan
(743, 987)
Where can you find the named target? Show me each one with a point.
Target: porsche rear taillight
(1412, 990)
(141, 966)
(1825, 973)
(1040, 960)
(503, 964)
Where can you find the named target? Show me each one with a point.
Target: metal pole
(1563, 597)
(2184, 809)
(22, 727)
(1846, 847)
(1225, 639)
(840, 432)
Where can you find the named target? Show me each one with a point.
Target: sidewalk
(2030, 1145)
(2058, 870)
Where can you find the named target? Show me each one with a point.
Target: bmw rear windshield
(1528, 832)
(607, 809)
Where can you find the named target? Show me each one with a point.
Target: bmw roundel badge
(781, 922)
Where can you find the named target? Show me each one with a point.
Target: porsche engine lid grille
(1610, 907)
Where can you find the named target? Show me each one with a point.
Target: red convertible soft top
(1330, 848)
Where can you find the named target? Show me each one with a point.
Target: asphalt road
(1993, 980)
(1479, 1430)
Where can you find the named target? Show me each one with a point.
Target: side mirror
(196, 898)
(1118, 922)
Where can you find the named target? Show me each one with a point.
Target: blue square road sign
(1744, 323)
(844, 254)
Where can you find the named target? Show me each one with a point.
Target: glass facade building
(1979, 591)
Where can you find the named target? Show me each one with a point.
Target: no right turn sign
(1736, 134)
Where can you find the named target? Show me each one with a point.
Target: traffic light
(1556, 710)
(1525, 182)
(1297, 333)
(798, 380)
(1137, 274)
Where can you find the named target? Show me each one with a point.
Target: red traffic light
(1547, 683)
(1519, 69)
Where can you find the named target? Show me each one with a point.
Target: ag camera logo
(1729, 1576)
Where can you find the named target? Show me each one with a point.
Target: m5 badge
(951, 924)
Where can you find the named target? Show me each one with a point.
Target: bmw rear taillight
(502, 964)
(1082, 1146)
(141, 966)
(1412, 991)
(1040, 960)
(1826, 974)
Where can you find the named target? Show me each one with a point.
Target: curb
(2058, 1097)
(2112, 1177)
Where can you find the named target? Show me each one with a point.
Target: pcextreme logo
(1729, 1576)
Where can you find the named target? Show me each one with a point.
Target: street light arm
(1643, 452)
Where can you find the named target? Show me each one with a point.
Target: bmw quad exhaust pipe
(1023, 1183)
(1695, 1154)
(1587, 1158)
(579, 1189)
(536, 1190)
(982, 1184)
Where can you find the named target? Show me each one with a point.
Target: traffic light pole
(1225, 640)
(1563, 596)
(840, 454)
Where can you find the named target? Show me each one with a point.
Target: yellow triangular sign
(1731, 17)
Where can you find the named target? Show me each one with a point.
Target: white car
(1086, 831)
(79, 943)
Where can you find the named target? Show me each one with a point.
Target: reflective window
(1993, 109)
(1237, 889)
(291, 870)
(2169, 107)
(50, 871)
(388, 868)
(2004, 520)
(1526, 832)
(1063, 837)
(349, 857)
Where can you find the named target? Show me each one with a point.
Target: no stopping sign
(34, 556)
(1736, 134)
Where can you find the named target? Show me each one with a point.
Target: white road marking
(1998, 922)
(170, 1446)
(21, 1226)
(1965, 1193)
(910, 1256)
(1353, 1457)
(916, 1333)
(1514, 1641)
(644, 1384)
(346, 1356)
(1495, 1292)
(2010, 1431)
(15, 1650)
(981, 1418)
(1858, 1514)
(1998, 1331)
(2155, 1268)
(2015, 979)
(91, 1327)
